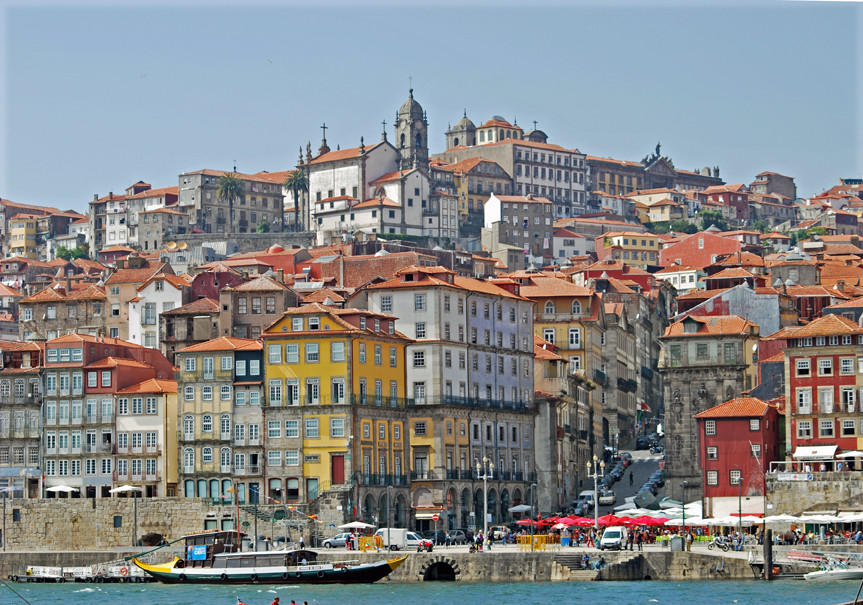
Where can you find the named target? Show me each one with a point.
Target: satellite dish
(182, 246)
(171, 245)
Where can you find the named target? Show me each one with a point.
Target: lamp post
(487, 470)
(389, 512)
(532, 506)
(740, 508)
(598, 466)
(683, 486)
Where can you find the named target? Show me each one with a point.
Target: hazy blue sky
(97, 98)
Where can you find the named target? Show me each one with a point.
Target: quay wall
(479, 567)
(829, 491)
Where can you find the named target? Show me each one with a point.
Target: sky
(95, 97)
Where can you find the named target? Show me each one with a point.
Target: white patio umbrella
(65, 489)
(356, 525)
(781, 519)
(124, 489)
(852, 454)
(521, 508)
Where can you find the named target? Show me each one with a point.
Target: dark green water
(787, 592)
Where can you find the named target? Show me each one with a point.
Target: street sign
(435, 517)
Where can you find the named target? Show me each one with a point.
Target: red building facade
(737, 441)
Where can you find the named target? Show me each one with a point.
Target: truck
(397, 538)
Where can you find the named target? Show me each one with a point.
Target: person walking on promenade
(631, 479)
(640, 540)
(631, 539)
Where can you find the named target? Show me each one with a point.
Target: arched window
(225, 426)
(455, 142)
(206, 455)
(549, 306)
(189, 460)
(576, 307)
(189, 427)
(225, 459)
(402, 140)
(207, 423)
(189, 488)
(419, 141)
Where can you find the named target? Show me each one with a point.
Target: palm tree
(231, 188)
(297, 181)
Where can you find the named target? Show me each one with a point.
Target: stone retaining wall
(826, 491)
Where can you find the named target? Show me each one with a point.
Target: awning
(427, 515)
(818, 452)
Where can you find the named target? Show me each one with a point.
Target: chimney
(281, 274)
(68, 285)
(95, 196)
(841, 285)
(110, 195)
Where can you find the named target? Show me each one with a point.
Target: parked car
(457, 536)
(436, 536)
(499, 532)
(337, 541)
(642, 443)
(607, 497)
(613, 537)
(468, 534)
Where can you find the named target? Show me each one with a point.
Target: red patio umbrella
(567, 521)
(609, 520)
(525, 522)
(584, 522)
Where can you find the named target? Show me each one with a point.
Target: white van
(613, 537)
(396, 538)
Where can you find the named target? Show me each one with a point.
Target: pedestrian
(275, 601)
(447, 540)
(631, 479)
(302, 541)
(640, 540)
(631, 539)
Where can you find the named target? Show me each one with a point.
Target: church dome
(275, 249)
(411, 108)
(465, 124)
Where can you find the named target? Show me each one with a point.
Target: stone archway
(440, 569)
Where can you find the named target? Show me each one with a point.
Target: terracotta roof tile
(202, 306)
(826, 325)
(549, 287)
(153, 385)
(224, 343)
(742, 407)
(136, 276)
(262, 283)
(321, 295)
(116, 362)
(712, 325)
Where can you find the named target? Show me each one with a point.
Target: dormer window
(362, 323)
(409, 277)
(314, 323)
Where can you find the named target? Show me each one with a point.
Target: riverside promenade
(500, 564)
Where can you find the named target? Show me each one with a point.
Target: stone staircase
(576, 572)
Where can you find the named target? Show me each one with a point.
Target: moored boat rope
(6, 584)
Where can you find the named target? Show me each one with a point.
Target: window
(846, 365)
(574, 338)
(227, 363)
(189, 394)
(419, 359)
(337, 350)
(712, 453)
(734, 476)
(754, 424)
(225, 393)
(207, 393)
(312, 355)
(419, 302)
(191, 364)
(292, 458)
(548, 334)
(292, 353)
(314, 323)
(275, 354)
(709, 427)
(825, 366)
(701, 351)
(825, 428)
(106, 379)
(848, 428)
(393, 357)
(386, 304)
(292, 429)
(337, 427)
(421, 329)
(755, 450)
(378, 355)
(712, 477)
(274, 429)
(275, 392)
(312, 429)
(420, 428)
(804, 429)
(804, 401)
(362, 352)
(274, 458)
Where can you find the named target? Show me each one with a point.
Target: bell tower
(411, 138)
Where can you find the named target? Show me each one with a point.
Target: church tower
(412, 135)
(464, 133)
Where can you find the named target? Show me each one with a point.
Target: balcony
(423, 476)
(188, 470)
(646, 373)
(626, 385)
(393, 402)
(599, 377)
(470, 402)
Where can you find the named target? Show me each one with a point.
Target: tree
(231, 188)
(760, 225)
(72, 253)
(263, 227)
(297, 181)
(712, 217)
(681, 226)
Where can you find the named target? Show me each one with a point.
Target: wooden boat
(216, 557)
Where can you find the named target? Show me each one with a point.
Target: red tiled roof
(342, 154)
(742, 407)
(826, 325)
(202, 306)
(550, 287)
(116, 362)
(224, 343)
(713, 325)
(153, 385)
(321, 295)
(175, 190)
(136, 276)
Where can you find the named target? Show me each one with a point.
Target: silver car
(336, 541)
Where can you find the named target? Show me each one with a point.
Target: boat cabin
(201, 548)
(293, 558)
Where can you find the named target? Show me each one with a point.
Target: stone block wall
(76, 524)
(826, 492)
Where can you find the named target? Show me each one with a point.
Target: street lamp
(487, 470)
(389, 512)
(598, 467)
(532, 503)
(683, 486)
(740, 507)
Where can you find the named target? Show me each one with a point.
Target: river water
(782, 592)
